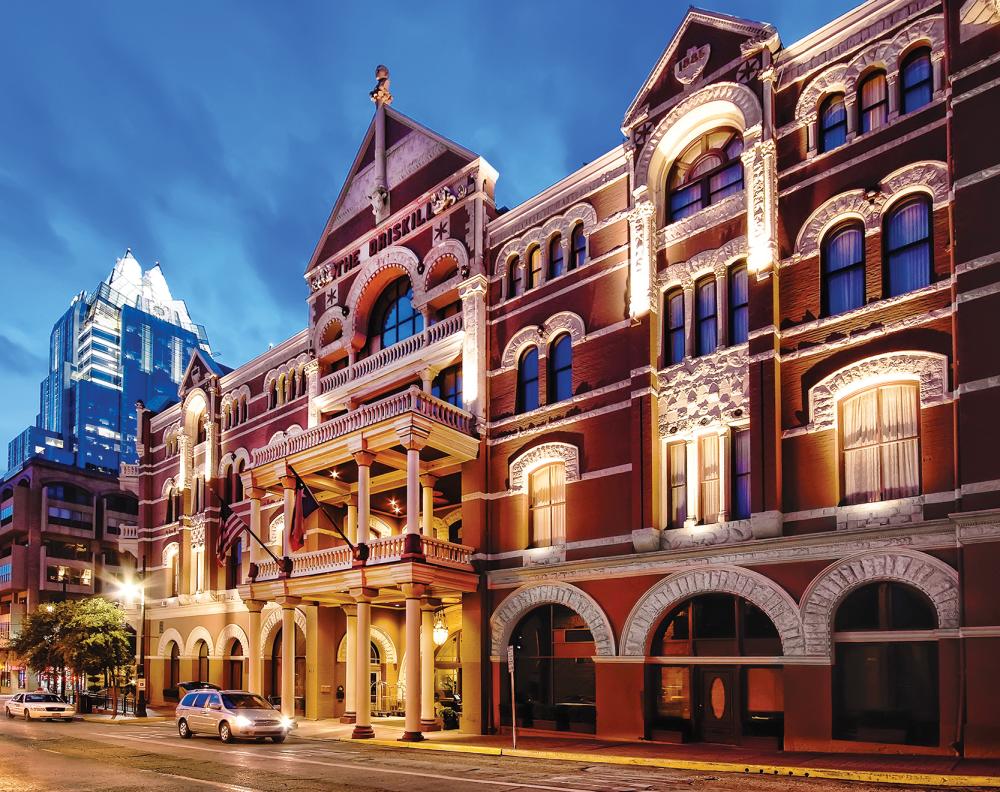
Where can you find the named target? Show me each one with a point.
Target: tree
(40, 643)
(96, 640)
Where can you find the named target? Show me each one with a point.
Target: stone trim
(762, 592)
(273, 621)
(170, 634)
(232, 457)
(522, 465)
(231, 630)
(715, 262)
(199, 633)
(527, 598)
(938, 581)
(562, 225)
(380, 637)
(532, 335)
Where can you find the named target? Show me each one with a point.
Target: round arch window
(395, 318)
(707, 171)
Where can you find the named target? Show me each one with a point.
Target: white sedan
(43, 706)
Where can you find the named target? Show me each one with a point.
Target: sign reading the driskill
(399, 229)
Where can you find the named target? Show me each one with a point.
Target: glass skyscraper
(129, 340)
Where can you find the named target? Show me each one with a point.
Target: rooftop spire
(380, 95)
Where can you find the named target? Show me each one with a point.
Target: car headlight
(243, 722)
(286, 722)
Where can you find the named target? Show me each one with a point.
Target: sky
(214, 136)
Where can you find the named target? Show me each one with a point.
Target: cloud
(18, 359)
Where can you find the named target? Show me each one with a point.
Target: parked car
(39, 706)
(231, 714)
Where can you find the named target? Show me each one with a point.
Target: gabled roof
(357, 167)
(731, 24)
(199, 368)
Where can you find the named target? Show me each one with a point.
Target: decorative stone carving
(710, 389)
(198, 531)
(689, 68)
(977, 16)
(532, 335)
(761, 169)
(642, 259)
(234, 458)
(369, 282)
(929, 368)
(938, 581)
(199, 633)
(450, 247)
(442, 199)
(226, 634)
(527, 598)
(522, 465)
(380, 93)
(712, 215)
(271, 623)
(832, 80)
(170, 635)
(706, 535)
(169, 553)
(674, 589)
(562, 224)
(685, 273)
(276, 529)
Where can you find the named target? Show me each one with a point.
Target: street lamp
(131, 592)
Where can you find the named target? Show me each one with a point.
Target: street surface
(39, 756)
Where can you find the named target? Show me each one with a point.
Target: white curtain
(900, 447)
(547, 505)
(861, 463)
(677, 478)
(708, 455)
(881, 449)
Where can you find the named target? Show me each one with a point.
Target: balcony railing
(393, 354)
(412, 400)
(127, 470)
(381, 551)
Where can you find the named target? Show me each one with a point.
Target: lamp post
(130, 591)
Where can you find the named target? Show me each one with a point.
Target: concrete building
(703, 433)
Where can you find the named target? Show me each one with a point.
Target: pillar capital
(412, 437)
(413, 590)
(255, 493)
(428, 480)
(254, 606)
(430, 604)
(350, 610)
(363, 457)
(287, 482)
(287, 602)
(364, 594)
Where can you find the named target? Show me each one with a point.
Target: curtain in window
(900, 448)
(908, 247)
(674, 320)
(738, 302)
(555, 257)
(861, 454)
(833, 123)
(917, 80)
(708, 458)
(874, 102)
(844, 269)
(677, 483)
(707, 335)
(741, 474)
(527, 381)
(547, 506)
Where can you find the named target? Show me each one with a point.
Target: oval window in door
(717, 698)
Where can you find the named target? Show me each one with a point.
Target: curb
(871, 776)
(123, 721)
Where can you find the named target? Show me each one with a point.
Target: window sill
(726, 209)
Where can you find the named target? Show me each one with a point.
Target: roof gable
(200, 368)
(704, 41)
(409, 146)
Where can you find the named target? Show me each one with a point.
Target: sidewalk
(916, 770)
(152, 716)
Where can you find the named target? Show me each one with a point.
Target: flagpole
(325, 512)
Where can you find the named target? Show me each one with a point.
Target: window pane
(685, 202)
(705, 313)
(738, 302)
(874, 102)
(833, 123)
(677, 478)
(843, 270)
(527, 381)
(555, 257)
(708, 459)
(908, 247)
(579, 253)
(561, 369)
(917, 81)
(741, 474)
(674, 341)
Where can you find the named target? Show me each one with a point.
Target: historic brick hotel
(706, 431)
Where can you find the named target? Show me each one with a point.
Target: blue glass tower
(127, 341)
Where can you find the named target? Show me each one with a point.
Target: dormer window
(707, 171)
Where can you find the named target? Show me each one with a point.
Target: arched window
(885, 687)
(202, 668)
(556, 261)
(554, 672)
(676, 484)
(560, 369)
(907, 237)
(238, 481)
(272, 395)
(227, 485)
(533, 276)
(547, 505)
(916, 83)
(873, 102)
(244, 409)
(515, 275)
(673, 327)
(832, 123)
(880, 430)
(843, 266)
(171, 514)
(739, 302)
(447, 385)
(173, 573)
(279, 388)
(202, 429)
(173, 666)
(707, 171)
(527, 381)
(706, 320)
(234, 675)
(395, 316)
(578, 247)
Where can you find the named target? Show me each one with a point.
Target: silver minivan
(231, 714)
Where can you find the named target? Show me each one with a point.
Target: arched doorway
(201, 668)
(173, 675)
(553, 672)
(234, 665)
(300, 669)
(691, 695)
(885, 674)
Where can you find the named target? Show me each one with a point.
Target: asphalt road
(82, 756)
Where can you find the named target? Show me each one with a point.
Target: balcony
(415, 350)
(12, 570)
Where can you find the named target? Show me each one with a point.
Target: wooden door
(718, 705)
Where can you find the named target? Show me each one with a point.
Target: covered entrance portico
(408, 447)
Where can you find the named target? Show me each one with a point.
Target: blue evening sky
(214, 136)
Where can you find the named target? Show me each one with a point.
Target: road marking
(358, 767)
(216, 784)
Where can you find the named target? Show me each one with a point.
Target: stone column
(351, 665)
(642, 258)
(288, 655)
(427, 482)
(689, 320)
(428, 721)
(352, 519)
(312, 389)
(312, 661)
(255, 494)
(186, 558)
(412, 438)
(474, 324)
(288, 491)
(363, 703)
(255, 664)
(364, 460)
(411, 732)
(893, 109)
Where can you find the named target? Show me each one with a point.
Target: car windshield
(244, 701)
(34, 698)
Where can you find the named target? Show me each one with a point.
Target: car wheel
(260, 739)
(183, 730)
(27, 714)
(225, 733)
(278, 738)
(9, 713)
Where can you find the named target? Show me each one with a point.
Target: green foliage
(40, 643)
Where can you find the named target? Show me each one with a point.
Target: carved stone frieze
(706, 535)
(711, 215)
(642, 259)
(522, 465)
(532, 335)
(713, 389)
(562, 224)
(685, 273)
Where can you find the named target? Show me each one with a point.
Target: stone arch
(374, 275)
(169, 635)
(270, 625)
(523, 338)
(674, 589)
(709, 107)
(934, 578)
(169, 550)
(199, 634)
(835, 79)
(929, 31)
(194, 407)
(540, 235)
(380, 638)
(928, 176)
(522, 465)
(168, 485)
(226, 634)
(930, 369)
(564, 321)
(715, 262)
(528, 597)
(852, 204)
(449, 248)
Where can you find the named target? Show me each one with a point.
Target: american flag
(232, 527)
(305, 504)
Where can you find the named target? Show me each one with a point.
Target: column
(890, 86)
(474, 326)
(412, 438)
(288, 491)
(255, 665)
(255, 494)
(351, 675)
(363, 703)
(352, 519)
(724, 476)
(312, 661)
(364, 460)
(689, 320)
(428, 721)
(722, 308)
(411, 729)
(186, 558)
(288, 655)
(427, 482)
(312, 390)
